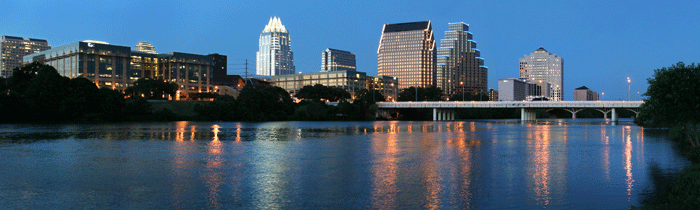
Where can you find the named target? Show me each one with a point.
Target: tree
(152, 89)
(320, 92)
(258, 103)
(424, 94)
(673, 100)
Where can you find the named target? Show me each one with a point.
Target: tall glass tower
(275, 55)
(542, 67)
(407, 52)
(337, 60)
(459, 65)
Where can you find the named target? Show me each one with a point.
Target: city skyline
(618, 40)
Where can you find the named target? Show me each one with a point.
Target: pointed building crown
(274, 25)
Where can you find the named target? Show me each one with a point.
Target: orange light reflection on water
(384, 172)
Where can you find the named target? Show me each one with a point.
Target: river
(490, 164)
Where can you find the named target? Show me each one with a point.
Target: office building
(13, 49)
(512, 89)
(117, 67)
(274, 56)
(337, 60)
(145, 47)
(387, 85)
(351, 81)
(459, 63)
(407, 51)
(220, 74)
(584, 94)
(493, 95)
(542, 67)
(538, 91)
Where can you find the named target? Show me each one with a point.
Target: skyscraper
(13, 49)
(275, 55)
(459, 65)
(337, 60)
(544, 67)
(407, 52)
(145, 47)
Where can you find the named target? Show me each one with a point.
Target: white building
(512, 89)
(544, 67)
(275, 55)
(145, 47)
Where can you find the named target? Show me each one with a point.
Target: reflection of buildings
(117, 67)
(13, 49)
(548, 169)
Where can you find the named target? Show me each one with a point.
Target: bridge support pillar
(528, 114)
(434, 114)
(614, 115)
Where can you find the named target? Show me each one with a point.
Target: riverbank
(679, 191)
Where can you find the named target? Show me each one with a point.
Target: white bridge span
(444, 110)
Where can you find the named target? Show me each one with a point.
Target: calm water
(573, 164)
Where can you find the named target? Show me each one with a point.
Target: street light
(602, 98)
(629, 81)
(462, 84)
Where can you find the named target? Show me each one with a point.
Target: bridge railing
(511, 104)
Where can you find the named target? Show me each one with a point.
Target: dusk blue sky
(602, 42)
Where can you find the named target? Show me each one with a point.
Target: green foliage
(151, 89)
(138, 106)
(314, 110)
(673, 99)
(257, 103)
(424, 94)
(223, 108)
(320, 92)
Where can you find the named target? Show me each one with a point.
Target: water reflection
(349, 165)
(384, 172)
(626, 133)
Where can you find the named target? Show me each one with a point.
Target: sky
(602, 42)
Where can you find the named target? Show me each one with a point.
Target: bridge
(444, 110)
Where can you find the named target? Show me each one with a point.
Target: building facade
(13, 49)
(388, 86)
(584, 94)
(542, 67)
(493, 95)
(541, 91)
(117, 67)
(407, 51)
(512, 89)
(145, 47)
(459, 63)
(274, 56)
(350, 81)
(337, 60)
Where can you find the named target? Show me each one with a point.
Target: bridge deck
(510, 104)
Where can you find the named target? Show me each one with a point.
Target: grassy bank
(678, 191)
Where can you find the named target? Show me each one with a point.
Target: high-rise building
(584, 94)
(337, 60)
(274, 55)
(407, 52)
(13, 49)
(459, 63)
(544, 67)
(145, 47)
(512, 89)
(117, 67)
